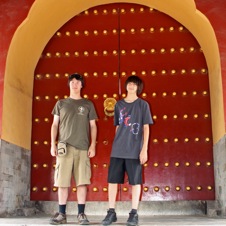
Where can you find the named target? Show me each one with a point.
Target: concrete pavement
(43, 220)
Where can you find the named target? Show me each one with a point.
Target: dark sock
(81, 208)
(62, 209)
(112, 209)
(133, 211)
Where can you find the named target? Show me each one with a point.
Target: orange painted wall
(214, 11)
(13, 12)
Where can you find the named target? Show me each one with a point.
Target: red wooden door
(107, 44)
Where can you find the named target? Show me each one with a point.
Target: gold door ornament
(109, 106)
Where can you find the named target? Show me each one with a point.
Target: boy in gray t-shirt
(129, 151)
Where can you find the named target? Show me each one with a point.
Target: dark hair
(136, 80)
(77, 76)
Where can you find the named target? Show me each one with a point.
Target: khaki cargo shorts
(75, 163)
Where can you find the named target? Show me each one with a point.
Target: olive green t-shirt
(75, 115)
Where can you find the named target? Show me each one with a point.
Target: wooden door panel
(81, 45)
(180, 165)
(107, 44)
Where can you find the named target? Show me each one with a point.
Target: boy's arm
(93, 133)
(54, 131)
(144, 150)
(116, 128)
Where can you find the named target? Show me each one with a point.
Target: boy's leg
(81, 194)
(136, 189)
(82, 175)
(134, 171)
(112, 193)
(60, 217)
(111, 214)
(62, 178)
(133, 216)
(115, 176)
(62, 196)
(81, 197)
(116, 173)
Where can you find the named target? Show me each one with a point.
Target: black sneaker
(133, 219)
(111, 217)
(82, 219)
(58, 218)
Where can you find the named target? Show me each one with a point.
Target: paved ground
(95, 220)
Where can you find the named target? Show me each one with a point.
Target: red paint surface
(170, 128)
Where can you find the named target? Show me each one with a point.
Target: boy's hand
(143, 156)
(53, 150)
(91, 152)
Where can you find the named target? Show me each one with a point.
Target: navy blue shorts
(118, 167)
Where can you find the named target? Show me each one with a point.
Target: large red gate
(107, 44)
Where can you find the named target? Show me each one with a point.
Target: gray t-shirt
(130, 117)
(75, 116)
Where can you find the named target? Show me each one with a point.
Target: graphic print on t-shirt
(124, 117)
(81, 110)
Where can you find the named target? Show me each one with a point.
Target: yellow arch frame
(46, 17)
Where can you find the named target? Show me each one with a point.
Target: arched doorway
(17, 86)
(107, 44)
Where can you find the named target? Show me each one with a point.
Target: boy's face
(75, 85)
(131, 88)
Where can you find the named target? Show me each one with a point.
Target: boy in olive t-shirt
(74, 123)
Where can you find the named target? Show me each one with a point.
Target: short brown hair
(78, 77)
